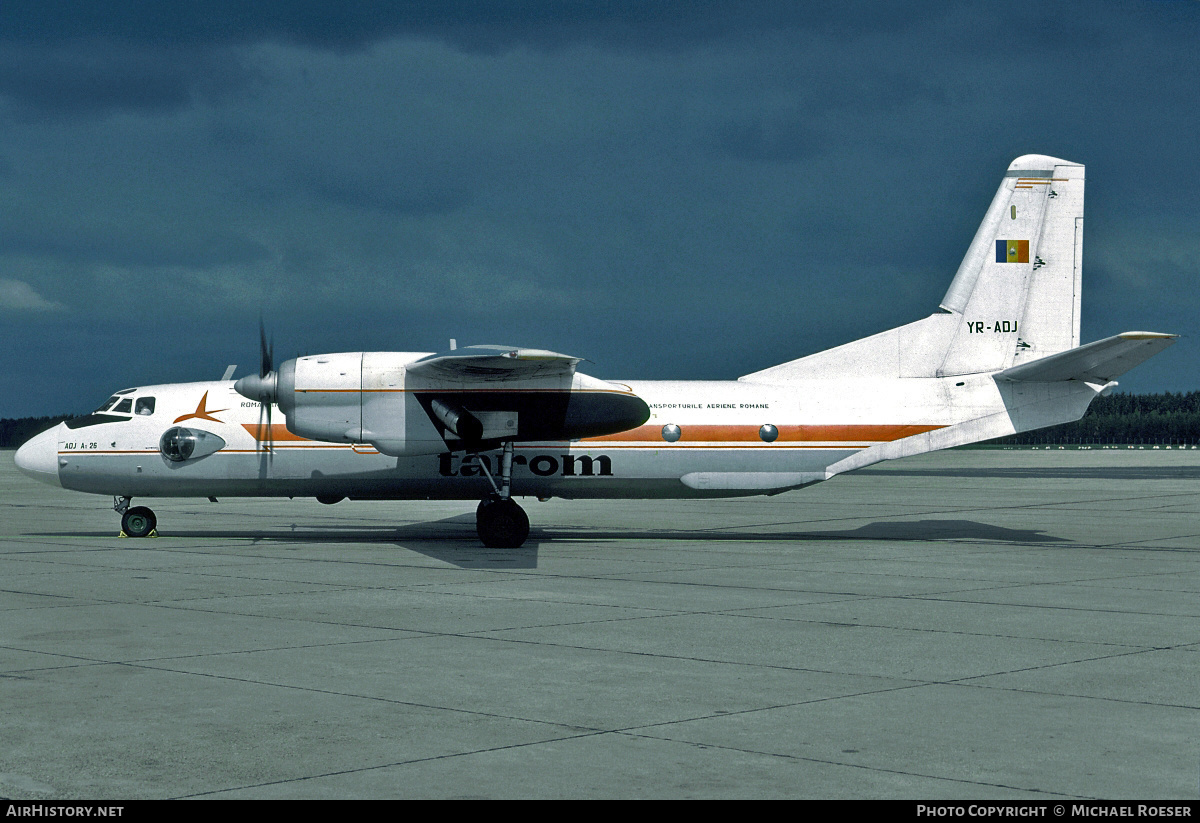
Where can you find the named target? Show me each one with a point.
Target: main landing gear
(499, 521)
(138, 521)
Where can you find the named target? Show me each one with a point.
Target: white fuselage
(733, 438)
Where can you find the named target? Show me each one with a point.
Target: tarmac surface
(962, 625)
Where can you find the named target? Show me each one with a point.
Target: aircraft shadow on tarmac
(452, 540)
(905, 531)
(1051, 473)
(925, 530)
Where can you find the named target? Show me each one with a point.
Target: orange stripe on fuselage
(847, 433)
(276, 433)
(842, 433)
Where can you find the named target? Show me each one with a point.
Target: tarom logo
(543, 465)
(202, 413)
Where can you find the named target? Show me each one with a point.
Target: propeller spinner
(264, 386)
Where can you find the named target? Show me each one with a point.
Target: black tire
(501, 524)
(138, 521)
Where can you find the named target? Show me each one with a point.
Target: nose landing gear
(499, 521)
(138, 521)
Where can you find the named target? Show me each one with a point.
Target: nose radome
(38, 458)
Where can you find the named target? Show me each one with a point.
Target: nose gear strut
(499, 521)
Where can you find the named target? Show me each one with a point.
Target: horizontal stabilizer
(494, 363)
(1097, 362)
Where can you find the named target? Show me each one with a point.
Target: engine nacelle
(356, 397)
(373, 397)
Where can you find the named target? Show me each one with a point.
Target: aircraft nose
(38, 458)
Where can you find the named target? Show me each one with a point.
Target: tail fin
(1014, 298)
(1017, 290)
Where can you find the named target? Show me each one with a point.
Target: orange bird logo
(202, 413)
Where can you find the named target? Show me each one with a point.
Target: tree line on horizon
(1168, 418)
(1163, 419)
(16, 430)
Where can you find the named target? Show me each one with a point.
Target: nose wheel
(138, 521)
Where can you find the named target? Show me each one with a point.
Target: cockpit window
(116, 409)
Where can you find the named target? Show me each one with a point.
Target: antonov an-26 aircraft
(1001, 355)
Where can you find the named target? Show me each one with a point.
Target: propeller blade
(266, 351)
(262, 386)
(264, 440)
(266, 390)
(270, 435)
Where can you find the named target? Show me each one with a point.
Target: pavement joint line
(639, 731)
(191, 604)
(864, 766)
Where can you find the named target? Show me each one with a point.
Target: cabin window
(124, 407)
(144, 405)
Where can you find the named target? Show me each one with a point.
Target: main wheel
(138, 521)
(501, 524)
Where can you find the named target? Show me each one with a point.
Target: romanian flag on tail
(1012, 251)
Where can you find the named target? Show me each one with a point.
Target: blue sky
(671, 190)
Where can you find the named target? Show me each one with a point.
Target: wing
(482, 394)
(494, 363)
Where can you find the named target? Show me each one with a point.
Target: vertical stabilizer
(1017, 290)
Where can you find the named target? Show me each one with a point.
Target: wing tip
(1146, 335)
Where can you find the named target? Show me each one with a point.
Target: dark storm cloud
(472, 24)
(83, 59)
(401, 199)
(131, 248)
(671, 189)
(784, 138)
(98, 76)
